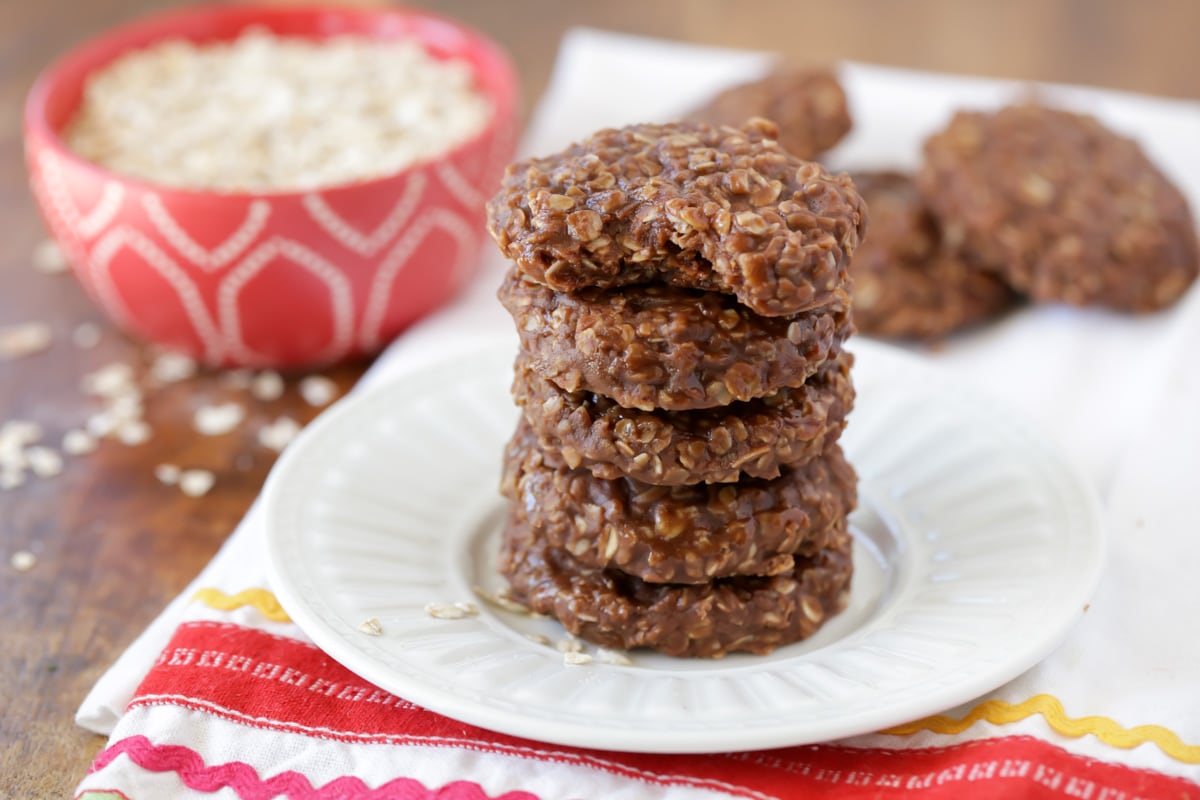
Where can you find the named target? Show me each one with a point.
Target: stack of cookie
(681, 296)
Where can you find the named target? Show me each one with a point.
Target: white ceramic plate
(976, 549)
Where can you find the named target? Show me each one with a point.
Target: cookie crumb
(371, 627)
(537, 638)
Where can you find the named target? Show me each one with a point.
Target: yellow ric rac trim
(1106, 730)
(261, 599)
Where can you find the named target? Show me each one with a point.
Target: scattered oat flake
(77, 442)
(22, 561)
(133, 432)
(537, 638)
(574, 659)
(267, 386)
(196, 482)
(19, 432)
(613, 657)
(86, 335)
(101, 424)
(218, 419)
(126, 406)
(317, 390)
(24, 339)
(501, 600)
(110, 380)
(49, 258)
(371, 627)
(279, 434)
(44, 462)
(173, 367)
(451, 610)
(569, 645)
(167, 474)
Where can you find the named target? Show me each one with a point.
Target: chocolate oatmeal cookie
(656, 346)
(1065, 209)
(756, 438)
(612, 609)
(809, 107)
(680, 534)
(906, 284)
(720, 209)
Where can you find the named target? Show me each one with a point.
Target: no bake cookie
(1063, 208)
(756, 438)
(680, 534)
(649, 347)
(612, 609)
(809, 106)
(907, 284)
(722, 209)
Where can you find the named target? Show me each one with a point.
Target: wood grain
(113, 545)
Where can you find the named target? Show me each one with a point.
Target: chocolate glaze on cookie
(809, 106)
(680, 534)
(612, 609)
(756, 438)
(1065, 209)
(906, 283)
(651, 347)
(720, 209)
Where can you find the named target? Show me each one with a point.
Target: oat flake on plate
(267, 112)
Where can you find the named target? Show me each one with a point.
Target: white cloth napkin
(1119, 395)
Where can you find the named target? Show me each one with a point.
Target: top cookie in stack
(681, 293)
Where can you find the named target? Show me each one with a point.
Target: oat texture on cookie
(808, 106)
(1062, 208)
(720, 209)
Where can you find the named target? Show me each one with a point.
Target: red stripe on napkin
(277, 683)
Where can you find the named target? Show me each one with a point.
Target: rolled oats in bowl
(274, 113)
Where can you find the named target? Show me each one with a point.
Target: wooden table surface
(113, 545)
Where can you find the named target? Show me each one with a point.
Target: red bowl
(284, 279)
